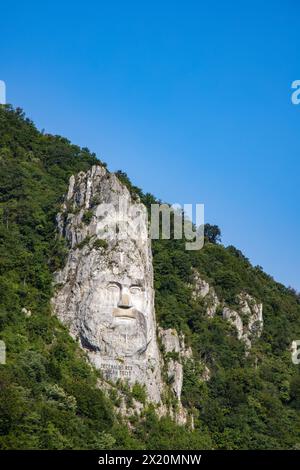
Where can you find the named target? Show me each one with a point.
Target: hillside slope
(49, 397)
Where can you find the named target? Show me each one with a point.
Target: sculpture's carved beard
(123, 335)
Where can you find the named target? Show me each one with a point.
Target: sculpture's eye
(113, 287)
(135, 289)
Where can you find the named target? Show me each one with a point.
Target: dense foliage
(250, 402)
(48, 393)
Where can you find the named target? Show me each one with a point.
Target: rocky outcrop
(201, 288)
(172, 355)
(175, 353)
(247, 319)
(105, 292)
(203, 291)
(26, 312)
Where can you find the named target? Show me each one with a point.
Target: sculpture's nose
(124, 301)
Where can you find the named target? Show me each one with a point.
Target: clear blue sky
(191, 98)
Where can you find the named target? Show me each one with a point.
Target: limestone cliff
(105, 292)
(247, 318)
(202, 290)
(175, 353)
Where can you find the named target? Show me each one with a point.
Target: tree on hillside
(212, 233)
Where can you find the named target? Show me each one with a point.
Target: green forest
(48, 393)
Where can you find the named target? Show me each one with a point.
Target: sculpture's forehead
(128, 270)
(122, 278)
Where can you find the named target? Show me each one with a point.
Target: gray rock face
(202, 290)
(174, 344)
(175, 374)
(170, 340)
(105, 292)
(171, 344)
(248, 321)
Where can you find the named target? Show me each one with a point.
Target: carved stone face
(106, 295)
(115, 320)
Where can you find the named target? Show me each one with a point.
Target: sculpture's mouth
(126, 313)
